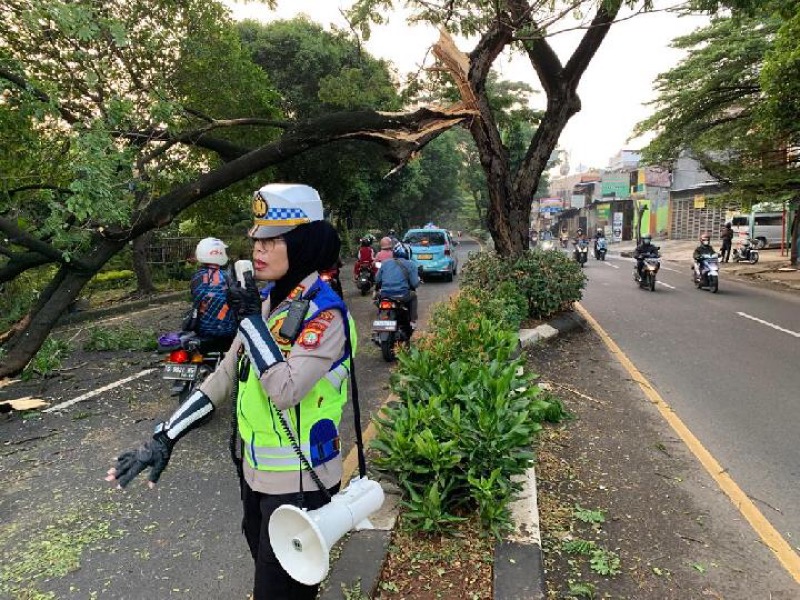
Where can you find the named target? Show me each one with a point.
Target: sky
(613, 90)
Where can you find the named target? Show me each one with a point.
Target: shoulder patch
(311, 336)
(325, 315)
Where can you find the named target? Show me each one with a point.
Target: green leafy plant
(581, 589)
(125, 337)
(604, 562)
(579, 546)
(589, 516)
(548, 282)
(48, 359)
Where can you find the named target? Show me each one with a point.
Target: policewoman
(288, 371)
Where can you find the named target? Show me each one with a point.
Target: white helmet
(211, 251)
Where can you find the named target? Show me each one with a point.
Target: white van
(764, 228)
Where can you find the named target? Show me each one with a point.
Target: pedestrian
(727, 240)
(209, 287)
(287, 371)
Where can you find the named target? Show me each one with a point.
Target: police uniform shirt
(287, 383)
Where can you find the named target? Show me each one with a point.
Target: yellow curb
(350, 464)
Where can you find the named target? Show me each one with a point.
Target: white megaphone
(302, 539)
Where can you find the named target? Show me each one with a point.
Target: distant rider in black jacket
(645, 248)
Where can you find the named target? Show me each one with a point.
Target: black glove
(244, 301)
(154, 453)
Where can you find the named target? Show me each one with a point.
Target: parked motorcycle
(581, 252)
(706, 272)
(190, 360)
(746, 253)
(600, 248)
(650, 267)
(365, 279)
(391, 326)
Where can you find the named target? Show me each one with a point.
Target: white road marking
(666, 285)
(94, 393)
(768, 324)
(608, 264)
(668, 269)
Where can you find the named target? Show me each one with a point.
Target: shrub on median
(548, 281)
(465, 420)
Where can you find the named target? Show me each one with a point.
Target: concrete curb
(518, 561)
(518, 564)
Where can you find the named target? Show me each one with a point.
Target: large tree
(119, 115)
(498, 26)
(731, 103)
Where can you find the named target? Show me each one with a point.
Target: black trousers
(271, 582)
(726, 250)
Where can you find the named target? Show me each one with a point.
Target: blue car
(434, 251)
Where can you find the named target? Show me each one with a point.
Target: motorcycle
(190, 360)
(564, 241)
(331, 277)
(746, 253)
(706, 272)
(650, 266)
(581, 252)
(365, 279)
(392, 326)
(600, 248)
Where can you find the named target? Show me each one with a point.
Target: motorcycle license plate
(179, 371)
(384, 325)
(424, 256)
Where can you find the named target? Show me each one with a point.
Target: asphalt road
(733, 380)
(181, 540)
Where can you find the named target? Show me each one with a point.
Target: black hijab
(310, 247)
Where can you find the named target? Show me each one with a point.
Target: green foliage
(90, 100)
(604, 562)
(112, 279)
(465, 420)
(581, 589)
(548, 282)
(589, 516)
(579, 546)
(48, 359)
(125, 337)
(732, 103)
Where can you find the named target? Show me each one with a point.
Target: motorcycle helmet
(386, 243)
(705, 239)
(579, 232)
(211, 251)
(399, 251)
(646, 239)
(365, 241)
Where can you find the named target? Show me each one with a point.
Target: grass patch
(125, 337)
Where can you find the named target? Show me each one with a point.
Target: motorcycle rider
(704, 247)
(580, 237)
(209, 287)
(287, 371)
(564, 237)
(398, 278)
(366, 256)
(385, 253)
(597, 235)
(644, 249)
